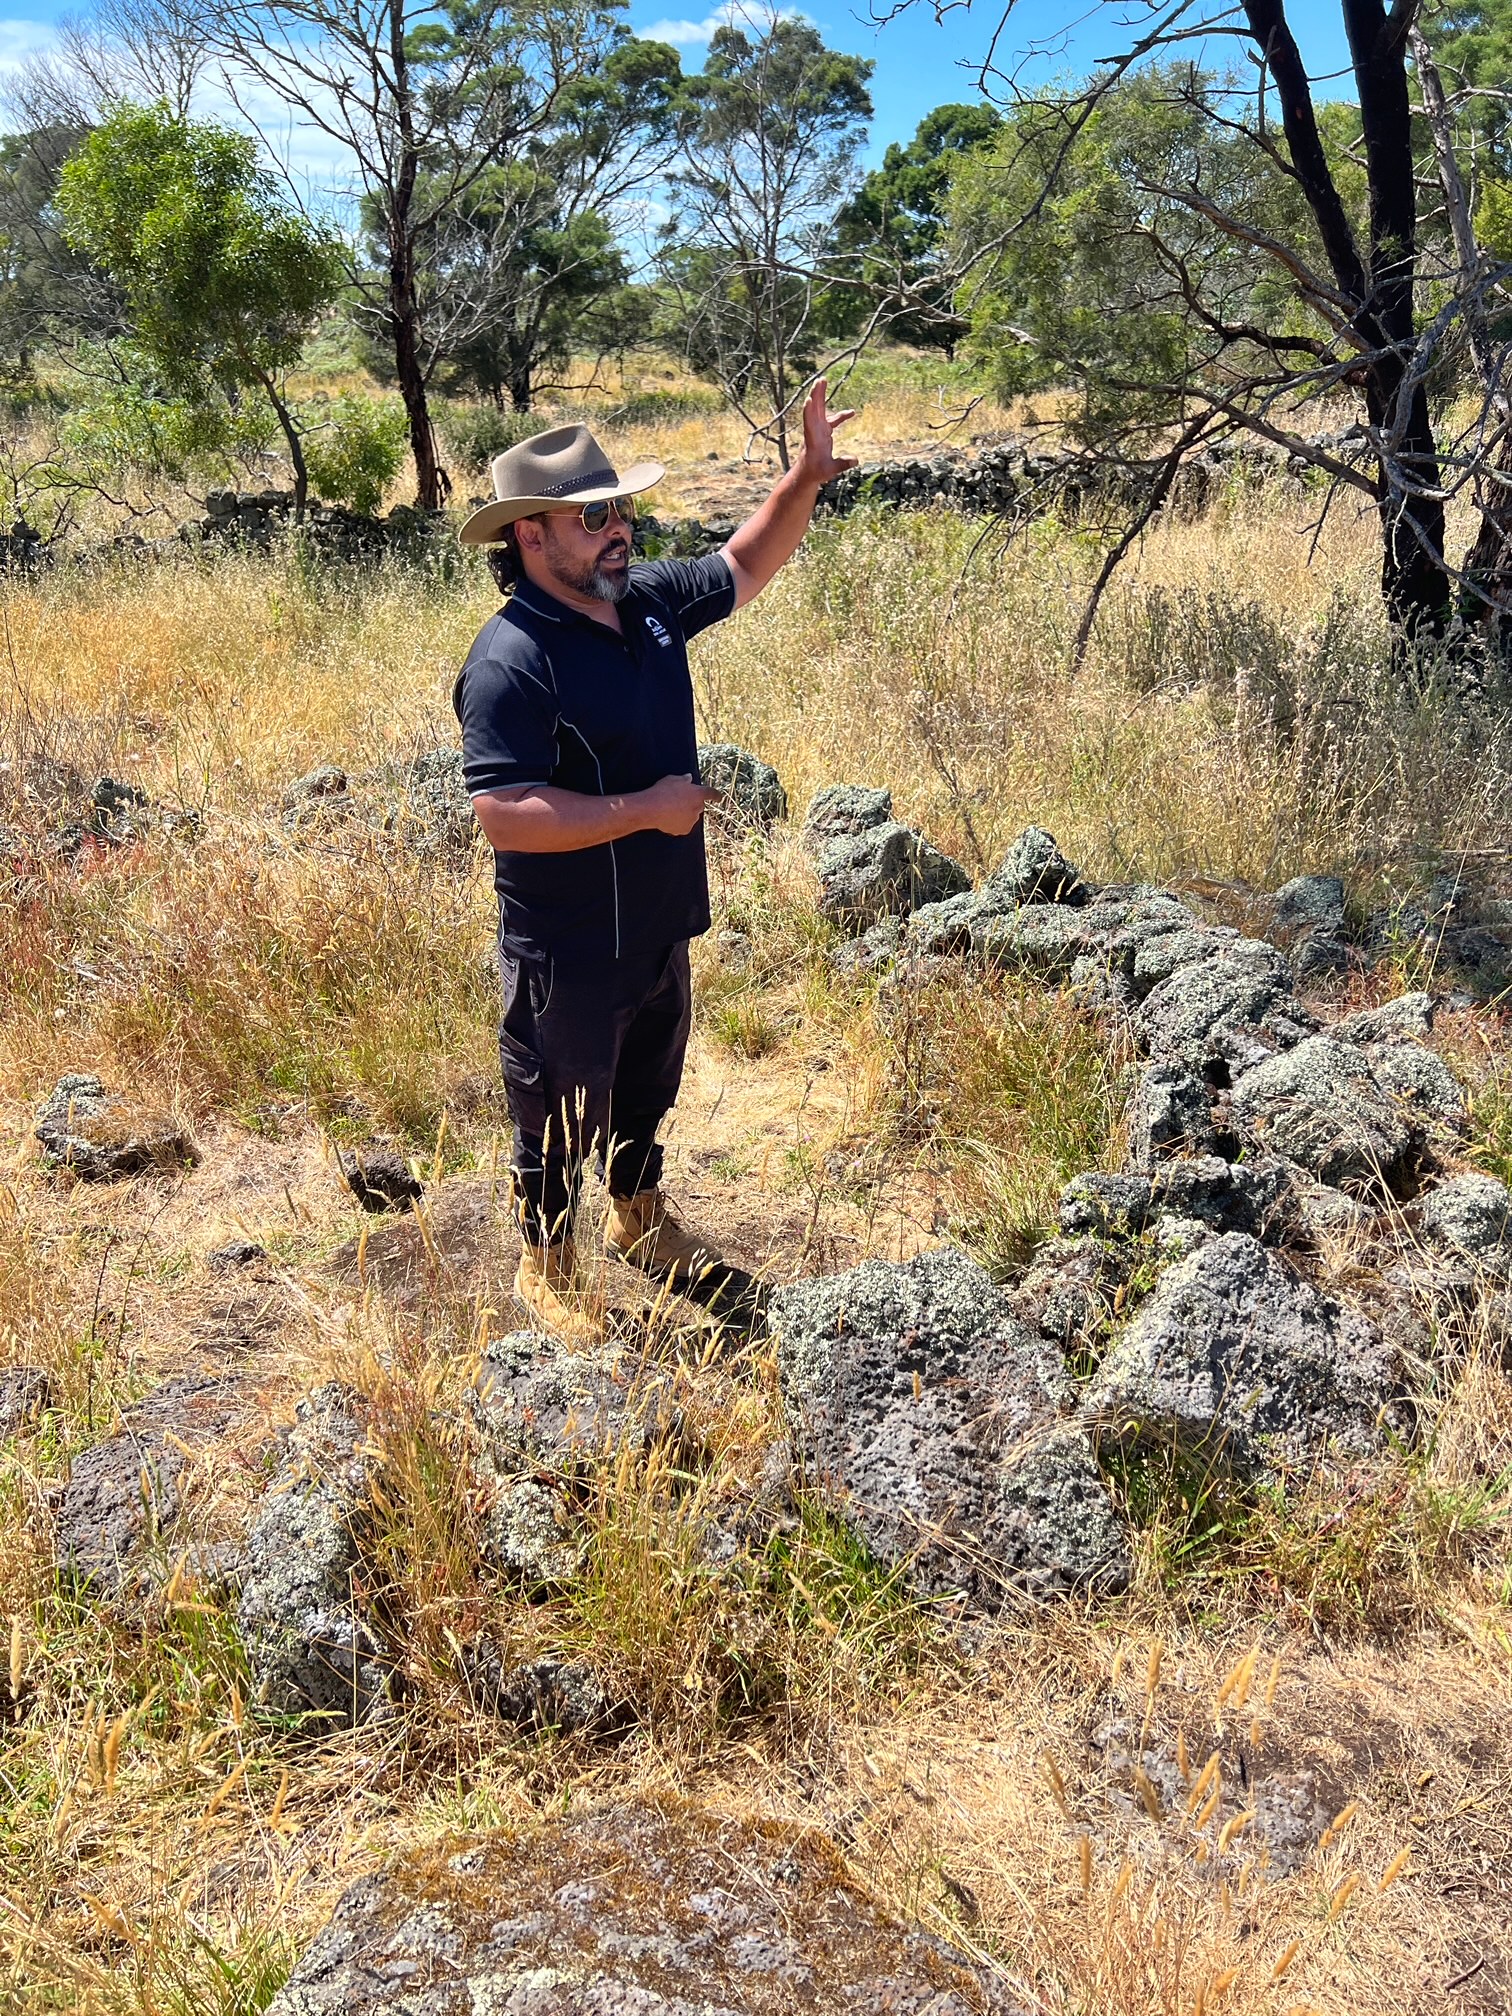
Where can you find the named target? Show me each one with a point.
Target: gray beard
(588, 580)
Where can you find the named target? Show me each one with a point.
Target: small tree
(222, 283)
(778, 122)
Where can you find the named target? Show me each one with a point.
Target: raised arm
(771, 536)
(540, 819)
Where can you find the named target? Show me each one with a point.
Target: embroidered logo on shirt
(660, 632)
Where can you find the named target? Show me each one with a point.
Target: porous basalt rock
(645, 1908)
(1309, 903)
(548, 1417)
(1471, 1217)
(1170, 1112)
(545, 1694)
(25, 1395)
(840, 811)
(1322, 1105)
(883, 871)
(925, 1410)
(1230, 1007)
(1034, 870)
(1252, 1197)
(314, 1646)
(380, 1178)
(101, 1137)
(1233, 1355)
(753, 793)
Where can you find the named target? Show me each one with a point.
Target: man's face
(592, 563)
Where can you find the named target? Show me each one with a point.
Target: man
(582, 760)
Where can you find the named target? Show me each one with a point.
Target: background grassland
(165, 1848)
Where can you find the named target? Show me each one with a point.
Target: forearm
(772, 534)
(540, 819)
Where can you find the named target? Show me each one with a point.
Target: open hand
(820, 462)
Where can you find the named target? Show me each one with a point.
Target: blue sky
(920, 62)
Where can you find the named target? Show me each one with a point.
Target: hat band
(596, 479)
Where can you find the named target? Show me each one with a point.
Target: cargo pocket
(523, 1085)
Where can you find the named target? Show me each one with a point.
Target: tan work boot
(546, 1282)
(646, 1231)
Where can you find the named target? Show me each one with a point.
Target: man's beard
(588, 578)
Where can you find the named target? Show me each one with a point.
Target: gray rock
(313, 1646)
(1045, 938)
(885, 871)
(435, 814)
(1232, 1353)
(1250, 1197)
(875, 951)
(642, 1908)
(1321, 1105)
(25, 1395)
(545, 1694)
(753, 790)
(550, 1417)
(1071, 1292)
(1429, 1093)
(842, 810)
(1317, 957)
(1471, 1215)
(1159, 954)
(328, 780)
(1232, 1009)
(1170, 1112)
(1034, 870)
(380, 1178)
(1409, 1016)
(119, 1517)
(119, 812)
(940, 930)
(235, 1254)
(102, 1137)
(923, 1408)
(1310, 903)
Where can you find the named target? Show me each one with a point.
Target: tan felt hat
(563, 466)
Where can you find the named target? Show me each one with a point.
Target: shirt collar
(541, 602)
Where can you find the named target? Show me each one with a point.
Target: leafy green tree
(891, 235)
(221, 282)
(50, 294)
(777, 122)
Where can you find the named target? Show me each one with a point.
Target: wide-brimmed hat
(565, 465)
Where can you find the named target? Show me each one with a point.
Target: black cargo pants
(592, 1062)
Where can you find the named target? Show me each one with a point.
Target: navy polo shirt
(548, 696)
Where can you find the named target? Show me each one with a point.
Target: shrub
(355, 451)
(473, 435)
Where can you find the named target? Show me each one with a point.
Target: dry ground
(162, 1848)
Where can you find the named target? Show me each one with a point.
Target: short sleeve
(698, 592)
(508, 715)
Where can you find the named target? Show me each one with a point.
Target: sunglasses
(595, 517)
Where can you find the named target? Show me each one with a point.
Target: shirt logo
(660, 632)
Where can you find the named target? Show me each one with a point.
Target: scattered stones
(1471, 1215)
(925, 1410)
(1310, 903)
(101, 1137)
(1228, 1009)
(1232, 1354)
(1323, 1106)
(1035, 871)
(380, 1179)
(1170, 1112)
(313, 1644)
(643, 1908)
(752, 789)
(883, 871)
(25, 1395)
(1252, 1197)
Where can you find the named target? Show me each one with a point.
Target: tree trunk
(296, 450)
(431, 485)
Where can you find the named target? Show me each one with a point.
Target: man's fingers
(839, 419)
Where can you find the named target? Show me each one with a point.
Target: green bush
(354, 450)
(473, 434)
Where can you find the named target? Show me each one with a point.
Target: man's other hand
(818, 460)
(676, 804)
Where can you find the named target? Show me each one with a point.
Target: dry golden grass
(162, 1848)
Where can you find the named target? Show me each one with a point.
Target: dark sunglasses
(594, 517)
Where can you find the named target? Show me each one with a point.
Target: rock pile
(870, 866)
(100, 1136)
(661, 1908)
(261, 519)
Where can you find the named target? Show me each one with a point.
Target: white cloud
(686, 34)
(20, 41)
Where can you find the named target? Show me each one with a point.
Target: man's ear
(530, 533)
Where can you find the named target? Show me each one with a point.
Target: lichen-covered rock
(1170, 1112)
(1232, 1354)
(1408, 1017)
(1248, 1197)
(101, 1137)
(313, 1645)
(644, 1908)
(885, 871)
(752, 789)
(1427, 1090)
(434, 813)
(931, 1417)
(545, 1694)
(1309, 903)
(25, 1395)
(1471, 1215)
(1232, 1009)
(1074, 1289)
(549, 1416)
(1322, 1105)
(840, 811)
(1034, 870)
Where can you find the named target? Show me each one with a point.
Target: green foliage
(129, 422)
(48, 291)
(473, 434)
(355, 450)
